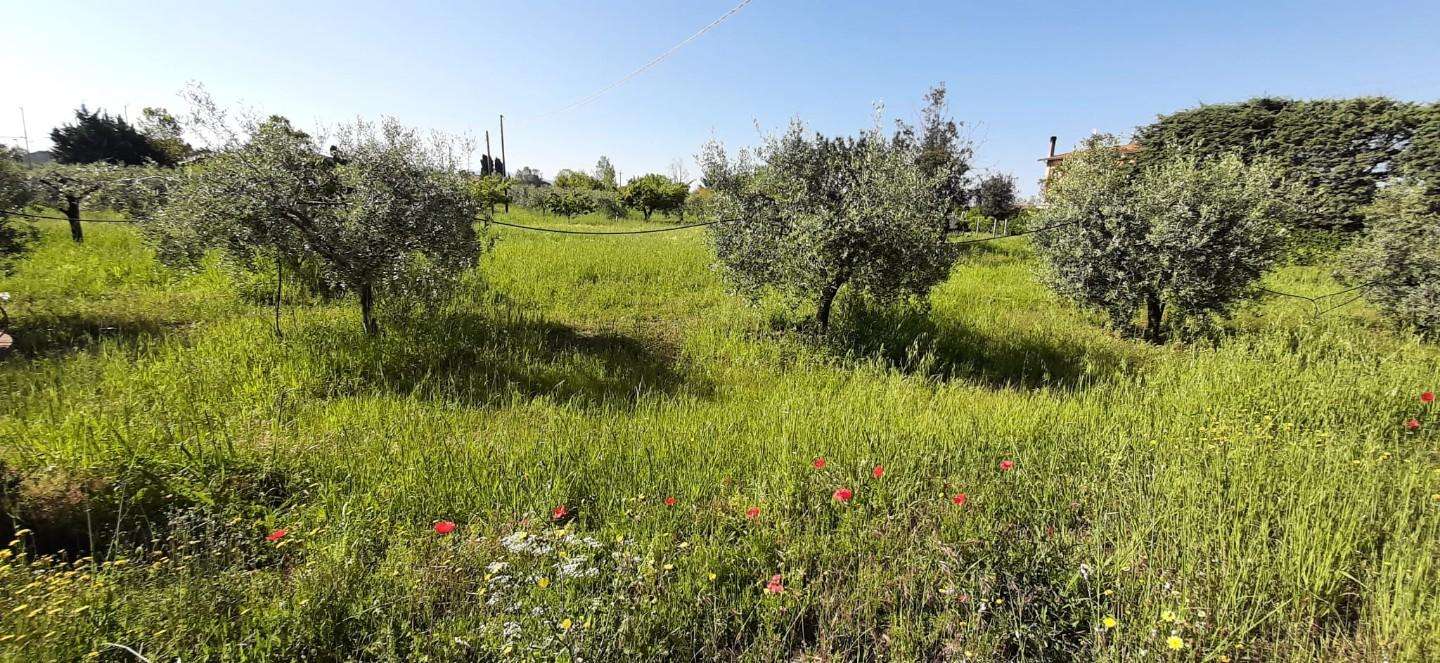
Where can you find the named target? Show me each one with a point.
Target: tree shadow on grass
(912, 341)
(50, 335)
(479, 360)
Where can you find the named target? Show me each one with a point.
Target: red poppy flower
(1427, 397)
(818, 462)
(878, 472)
(559, 512)
(959, 499)
(276, 535)
(1413, 424)
(776, 585)
(444, 527)
(670, 501)
(1007, 465)
(843, 494)
(752, 513)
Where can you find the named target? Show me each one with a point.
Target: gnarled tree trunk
(1154, 315)
(367, 309)
(72, 212)
(827, 301)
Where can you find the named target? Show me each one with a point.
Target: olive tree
(1397, 261)
(67, 187)
(385, 213)
(1173, 241)
(809, 215)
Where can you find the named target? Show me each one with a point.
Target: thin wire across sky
(648, 65)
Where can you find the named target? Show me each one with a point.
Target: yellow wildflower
(1174, 642)
(1110, 622)
(1167, 616)
(543, 583)
(712, 577)
(565, 625)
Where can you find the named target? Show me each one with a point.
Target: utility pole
(25, 128)
(502, 146)
(503, 160)
(487, 151)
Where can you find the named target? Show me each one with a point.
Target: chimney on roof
(1052, 146)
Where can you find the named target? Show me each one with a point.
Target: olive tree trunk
(1154, 315)
(367, 309)
(72, 213)
(827, 301)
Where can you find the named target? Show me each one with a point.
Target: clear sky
(1018, 71)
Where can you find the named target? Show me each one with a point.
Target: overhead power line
(645, 67)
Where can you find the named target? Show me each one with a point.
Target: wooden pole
(503, 160)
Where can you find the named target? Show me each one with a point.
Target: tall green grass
(1256, 497)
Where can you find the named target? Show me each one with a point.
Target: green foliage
(1181, 241)
(528, 176)
(564, 201)
(491, 190)
(654, 193)
(15, 195)
(607, 202)
(605, 173)
(814, 214)
(943, 155)
(574, 179)
(1338, 150)
(134, 190)
(1262, 490)
(1419, 163)
(97, 137)
(392, 216)
(701, 203)
(1398, 260)
(995, 196)
(164, 133)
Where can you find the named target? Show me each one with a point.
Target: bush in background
(1398, 259)
(654, 193)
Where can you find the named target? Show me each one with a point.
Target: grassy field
(1256, 498)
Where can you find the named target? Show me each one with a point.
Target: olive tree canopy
(385, 212)
(809, 215)
(1174, 241)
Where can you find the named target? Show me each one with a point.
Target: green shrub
(1398, 259)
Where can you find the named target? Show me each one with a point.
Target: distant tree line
(576, 192)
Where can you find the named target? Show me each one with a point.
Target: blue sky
(1018, 71)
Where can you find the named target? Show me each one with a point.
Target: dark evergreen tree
(1339, 150)
(486, 167)
(99, 137)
